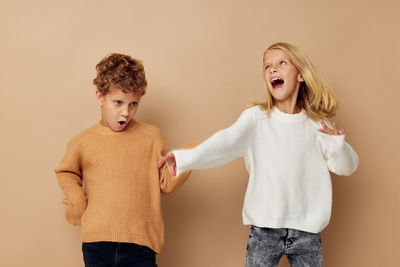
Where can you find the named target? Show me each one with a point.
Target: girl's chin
(278, 94)
(281, 98)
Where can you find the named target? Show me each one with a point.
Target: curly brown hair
(120, 71)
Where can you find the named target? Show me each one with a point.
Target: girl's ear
(99, 97)
(300, 78)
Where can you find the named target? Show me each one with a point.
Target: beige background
(202, 60)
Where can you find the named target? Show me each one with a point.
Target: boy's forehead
(116, 92)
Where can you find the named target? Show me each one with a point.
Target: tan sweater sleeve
(70, 180)
(168, 183)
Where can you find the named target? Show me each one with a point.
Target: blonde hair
(315, 96)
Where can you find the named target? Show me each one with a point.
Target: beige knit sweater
(112, 184)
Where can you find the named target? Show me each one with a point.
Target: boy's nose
(125, 111)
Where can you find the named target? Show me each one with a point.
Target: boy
(110, 176)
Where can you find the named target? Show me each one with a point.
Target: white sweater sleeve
(222, 147)
(339, 155)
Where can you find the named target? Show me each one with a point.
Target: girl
(289, 150)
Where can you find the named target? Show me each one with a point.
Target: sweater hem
(88, 237)
(302, 226)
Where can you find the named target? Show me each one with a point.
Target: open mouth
(276, 82)
(122, 122)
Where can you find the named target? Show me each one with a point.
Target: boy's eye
(283, 62)
(266, 67)
(118, 102)
(133, 104)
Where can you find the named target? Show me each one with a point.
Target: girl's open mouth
(122, 122)
(277, 82)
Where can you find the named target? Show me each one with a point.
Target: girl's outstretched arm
(168, 183)
(222, 147)
(339, 155)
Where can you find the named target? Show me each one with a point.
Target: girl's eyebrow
(278, 60)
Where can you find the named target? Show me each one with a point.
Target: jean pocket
(251, 235)
(251, 230)
(88, 247)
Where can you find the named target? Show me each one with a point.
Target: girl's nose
(273, 69)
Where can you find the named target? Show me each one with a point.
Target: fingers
(161, 161)
(171, 163)
(325, 129)
(336, 131)
(166, 158)
(173, 169)
(334, 127)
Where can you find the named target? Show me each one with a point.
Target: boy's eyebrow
(133, 101)
(117, 98)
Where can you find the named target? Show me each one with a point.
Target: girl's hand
(170, 160)
(325, 129)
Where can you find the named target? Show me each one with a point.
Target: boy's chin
(116, 129)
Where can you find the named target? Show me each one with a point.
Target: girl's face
(281, 76)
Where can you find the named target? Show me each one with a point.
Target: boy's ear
(99, 97)
(300, 78)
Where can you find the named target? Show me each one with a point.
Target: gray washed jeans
(267, 245)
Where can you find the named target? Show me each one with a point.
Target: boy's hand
(74, 209)
(325, 129)
(171, 163)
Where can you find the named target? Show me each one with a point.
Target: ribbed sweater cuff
(181, 161)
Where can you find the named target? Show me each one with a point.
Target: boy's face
(117, 108)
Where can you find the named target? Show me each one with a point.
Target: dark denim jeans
(110, 254)
(267, 245)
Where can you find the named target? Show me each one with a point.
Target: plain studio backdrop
(203, 64)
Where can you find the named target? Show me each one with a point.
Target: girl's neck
(289, 108)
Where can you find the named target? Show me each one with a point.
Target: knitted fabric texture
(112, 184)
(288, 162)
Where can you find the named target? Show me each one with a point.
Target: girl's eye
(133, 104)
(266, 67)
(283, 62)
(118, 102)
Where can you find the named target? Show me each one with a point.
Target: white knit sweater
(288, 161)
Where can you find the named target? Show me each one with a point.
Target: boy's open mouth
(276, 82)
(122, 122)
